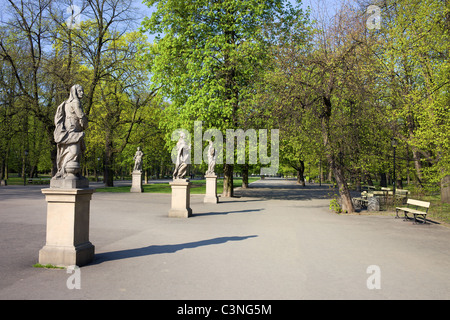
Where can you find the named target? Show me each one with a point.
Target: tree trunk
(358, 180)
(383, 179)
(300, 171)
(369, 179)
(227, 180)
(245, 176)
(445, 189)
(344, 192)
(346, 199)
(417, 166)
(108, 173)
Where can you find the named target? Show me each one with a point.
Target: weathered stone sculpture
(181, 193)
(68, 198)
(136, 182)
(70, 122)
(182, 157)
(138, 160)
(212, 155)
(211, 177)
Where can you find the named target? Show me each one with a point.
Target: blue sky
(330, 4)
(316, 6)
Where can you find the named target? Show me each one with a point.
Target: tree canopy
(340, 88)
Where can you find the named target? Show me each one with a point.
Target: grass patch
(46, 266)
(18, 181)
(438, 211)
(198, 186)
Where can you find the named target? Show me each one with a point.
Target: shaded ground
(283, 189)
(276, 241)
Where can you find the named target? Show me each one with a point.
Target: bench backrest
(402, 191)
(418, 203)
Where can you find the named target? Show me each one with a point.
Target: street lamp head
(394, 142)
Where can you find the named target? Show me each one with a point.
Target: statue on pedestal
(182, 157)
(138, 160)
(70, 121)
(212, 155)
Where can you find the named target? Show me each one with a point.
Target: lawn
(198, 186)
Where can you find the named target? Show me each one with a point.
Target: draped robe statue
(182, 156)
(70, 121)
(212, 155)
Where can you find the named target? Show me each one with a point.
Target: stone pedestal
(211, 189)
(136, 182)
(181, 199)
(67, 241)
(373, 204)
(68, 183)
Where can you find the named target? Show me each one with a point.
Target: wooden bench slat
(417, 211)
(418, 203)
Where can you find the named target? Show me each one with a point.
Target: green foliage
(208, 58)
(338, 92)
(47, 266)
(335, 206)
(415, 66)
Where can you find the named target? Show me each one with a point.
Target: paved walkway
(254, 246)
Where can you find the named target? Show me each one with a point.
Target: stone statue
(138, 160)
(70, 121)
(182, 156)
(212, 155)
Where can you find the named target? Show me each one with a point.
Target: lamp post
(309, 172)
(394, 143)
(320, 172)
(25, 167)
(98, 169)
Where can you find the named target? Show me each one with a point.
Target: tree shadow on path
(160, 249)
(283, 189)
(224, 212)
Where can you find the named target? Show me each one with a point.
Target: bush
(335, 206)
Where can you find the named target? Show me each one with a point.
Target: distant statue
(70, 121)
(212, 155)
(138, 160)
(182, 156)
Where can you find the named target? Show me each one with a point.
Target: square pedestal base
(211, 189)
(67, 256)
(67, 239)
(136, 182)
(181, 199)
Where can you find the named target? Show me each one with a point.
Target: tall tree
(413, 50)
(205, 57)
(120, 98)
(45, 52)
(324, 86)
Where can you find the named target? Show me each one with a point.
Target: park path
(274, 240)
(285, 189)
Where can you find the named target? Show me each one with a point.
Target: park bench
(415, 207)
(402, 195)
(369, 200)
(38, 180)
(360, 202)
